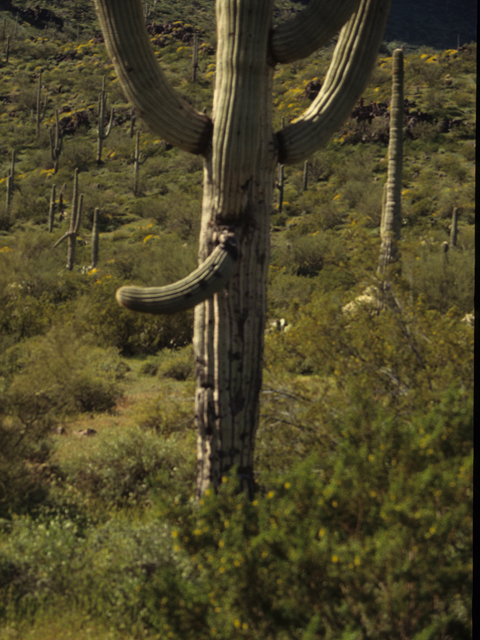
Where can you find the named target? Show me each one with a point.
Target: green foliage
(66, 373)
(25, 425)
(123, 467)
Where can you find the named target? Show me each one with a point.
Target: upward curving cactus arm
(123, 25)
(210, 277)
(349, 71)
(310, 29)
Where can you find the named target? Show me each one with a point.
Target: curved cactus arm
(310, 29)
(123, 26)
(349, 72)
(210, 277)
(66, 235)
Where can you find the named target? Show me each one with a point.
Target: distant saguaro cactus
(138, 160)
(195, 58)
(56, 142)
(391, 222)
(40, 111)
(95, 238)
(72, 233)
(241, 152)
(454, 228)
(280, 186)
(305, 175)
(132, 122)
(102, 132)
(51, 210)
(10, 183)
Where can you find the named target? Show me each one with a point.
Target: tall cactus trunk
(239, 179)
(391, 223)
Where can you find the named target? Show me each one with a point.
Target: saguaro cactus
(102, 132)
(454, 227)
(95, 237)
(241, 152)
(51, 210)
(138, 160)
(40, 111)
(195, 57)
(72, 233)
(56, 142)
(391, 222)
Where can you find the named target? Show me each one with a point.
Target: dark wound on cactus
(210, 277)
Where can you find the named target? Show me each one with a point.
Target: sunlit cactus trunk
(241, 152)
(238, 191)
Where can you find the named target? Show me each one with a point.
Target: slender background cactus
(391, 222)
(51, 210)
(95, 238)
(56, 142)
(40, 110)
(138, 160)
(240, 152)
(102, 132)
(71, 235)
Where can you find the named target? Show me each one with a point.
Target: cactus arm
(310, 29)
(349, 72)
(66, 235)
(123, 25)
(201, 284)
(110, 122)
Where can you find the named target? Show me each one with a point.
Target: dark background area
(434, 23)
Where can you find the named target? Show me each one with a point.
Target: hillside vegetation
(361, 527)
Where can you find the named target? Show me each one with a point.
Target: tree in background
(241, 152)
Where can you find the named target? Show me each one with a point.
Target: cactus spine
(56, 142)
(103, 132)
(71, 235)
(51, 210)
(391, 221)
(241, 152)
(95, 238)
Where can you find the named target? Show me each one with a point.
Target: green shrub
(25, 424)
(178, 365)
(67, 373)
(123, 467)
